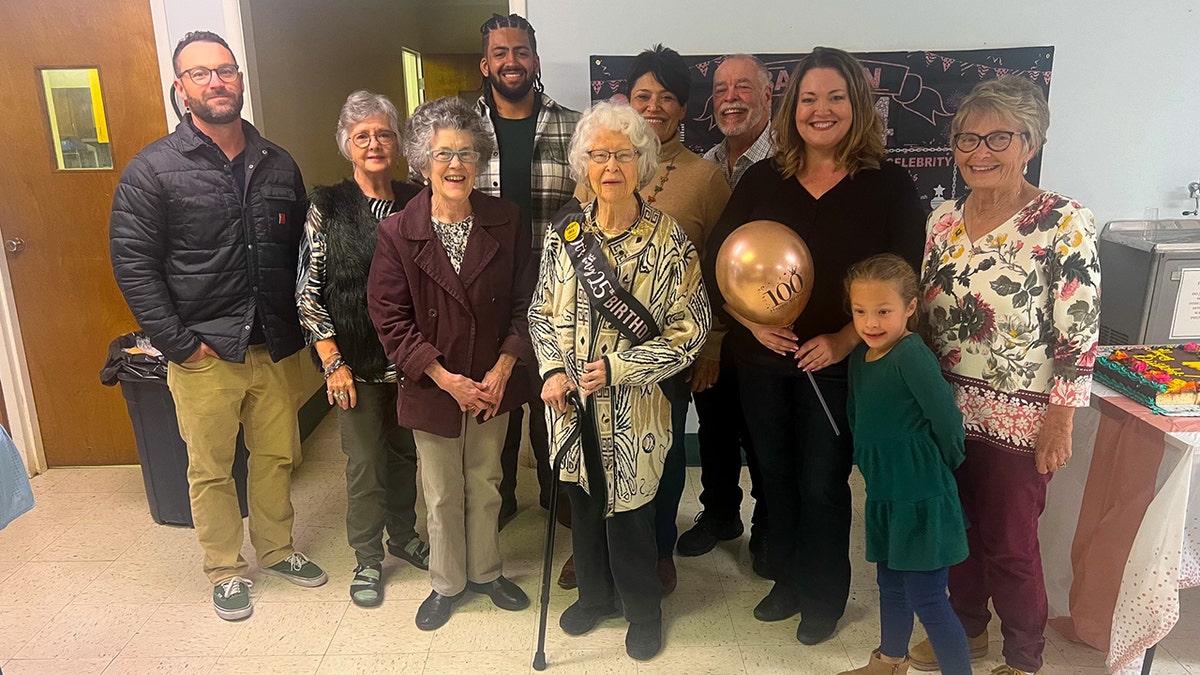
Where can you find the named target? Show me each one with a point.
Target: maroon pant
(1003, 496)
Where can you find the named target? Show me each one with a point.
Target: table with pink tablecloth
(1121, 533)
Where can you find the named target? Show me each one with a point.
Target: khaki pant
(212, 398)
(461, 480)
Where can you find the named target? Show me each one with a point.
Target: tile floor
(90, 584)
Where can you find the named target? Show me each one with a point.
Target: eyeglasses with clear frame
(444, 155)
(201, 76)
(623, 156)
(997, 141)
(385, 137)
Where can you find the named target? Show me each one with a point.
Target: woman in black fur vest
(335, 257)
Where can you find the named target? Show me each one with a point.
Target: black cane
(539, 659)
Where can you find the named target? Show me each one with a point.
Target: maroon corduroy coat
(424, 311)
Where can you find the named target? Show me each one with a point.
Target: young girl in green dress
(908, 438)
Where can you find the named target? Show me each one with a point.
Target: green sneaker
(298, 570)
(231, 599)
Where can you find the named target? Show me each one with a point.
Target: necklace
(661, 182)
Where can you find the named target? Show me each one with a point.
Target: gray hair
(361, 105)
(764, 75)
(433, 116)
(614, 116)
(1010, 97)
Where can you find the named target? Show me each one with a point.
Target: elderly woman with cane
(618, 311)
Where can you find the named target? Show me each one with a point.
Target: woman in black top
(828, 181)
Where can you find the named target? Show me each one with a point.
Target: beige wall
(309, 55)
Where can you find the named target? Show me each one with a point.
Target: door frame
(15, 384)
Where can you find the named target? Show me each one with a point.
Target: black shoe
(436, 610)
(759, 561)
(705, 534)
(577, 619)
(644, 640)
(815, 631)
(504, 593)
(779, 604)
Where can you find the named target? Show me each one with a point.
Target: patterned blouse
(454, 238)
(1014, 317)
(310, 284)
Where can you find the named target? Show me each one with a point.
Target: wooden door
(68, 305)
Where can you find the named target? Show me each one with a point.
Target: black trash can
(161, 450)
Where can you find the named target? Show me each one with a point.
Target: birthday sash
(599, 280)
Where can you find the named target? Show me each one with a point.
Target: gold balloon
(765, 272)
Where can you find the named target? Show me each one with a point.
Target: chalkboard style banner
(918, 94)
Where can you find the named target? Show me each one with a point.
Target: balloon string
(829, 415)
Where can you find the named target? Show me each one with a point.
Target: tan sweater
(694, 194)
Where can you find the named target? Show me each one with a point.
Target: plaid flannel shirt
(551, 180)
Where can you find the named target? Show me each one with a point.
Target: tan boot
(922, 658)
(878, 666)
(1009, 670)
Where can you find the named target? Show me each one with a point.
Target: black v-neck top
(875, 211)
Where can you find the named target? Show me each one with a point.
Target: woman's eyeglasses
(623, 156)
(464, 156)
(997, 141)
(363, 139)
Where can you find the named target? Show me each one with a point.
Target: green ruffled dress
(908, 438)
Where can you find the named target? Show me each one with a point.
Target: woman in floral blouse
(1012, 286)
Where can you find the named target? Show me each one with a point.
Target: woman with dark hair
(693, 192)
(448, 292)
(828, 181)
(331, 294)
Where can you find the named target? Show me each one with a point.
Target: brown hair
(862, 148)
(890, 268)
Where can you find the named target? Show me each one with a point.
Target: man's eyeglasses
(997, 141)
(200, 75)
(623, 156)
(363, 139)
(464, 156)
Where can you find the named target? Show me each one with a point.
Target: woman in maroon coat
(448, 291)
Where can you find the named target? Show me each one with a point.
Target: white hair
(619, 117)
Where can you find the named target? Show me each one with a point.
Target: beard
(752, 120)
(514, 92)
(216, 114)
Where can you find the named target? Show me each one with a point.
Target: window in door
(75, 115)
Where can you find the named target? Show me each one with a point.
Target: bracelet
(332, 357)
(333, 367)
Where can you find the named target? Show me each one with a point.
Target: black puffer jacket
(194, 263)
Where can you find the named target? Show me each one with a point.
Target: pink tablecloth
(1121, 532)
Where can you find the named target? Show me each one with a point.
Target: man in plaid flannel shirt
(529, 166)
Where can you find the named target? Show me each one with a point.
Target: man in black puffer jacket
(205, 233)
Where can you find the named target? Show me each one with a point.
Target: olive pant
(381, 472)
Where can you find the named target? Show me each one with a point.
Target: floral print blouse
(1014, 317)
(454, 238)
